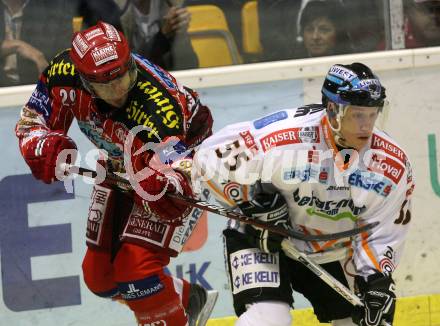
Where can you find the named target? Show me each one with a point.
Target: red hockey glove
(161, 179)
(41, 154)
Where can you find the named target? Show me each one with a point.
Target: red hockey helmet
(101, 53)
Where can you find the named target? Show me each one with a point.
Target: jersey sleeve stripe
(368, 251)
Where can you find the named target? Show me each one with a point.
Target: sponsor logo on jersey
(251, 268)
(267, 120)
(233, 191)
(371, 182)
(302, 174)
(312, 173)
(80, 45)
(157, 72)
(323, 175)
(39, 100)
(141, 288)
(387, 263)
(338, 188)
(95, 134)
(309, 134)
(313, 156)
(104, 54)
(97, 211)
(378, 142)
(93, 33)
(386, 166)
(61, 69)
(156, 102)
(143, 226)
(249, 140)
(136, 113)
(183, 232)
(333, 210)
(290, 136)
(280, 138)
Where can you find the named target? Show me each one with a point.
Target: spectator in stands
(276, 23)
(157, 30)
(30, 32)
(422, 23)
(322, 32)
(93, 11)
(366, 23)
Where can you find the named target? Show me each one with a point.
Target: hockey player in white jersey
(320, 168)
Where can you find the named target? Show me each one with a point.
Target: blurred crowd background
(193, 34)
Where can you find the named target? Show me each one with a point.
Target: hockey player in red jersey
(110, 91)
(319, 169)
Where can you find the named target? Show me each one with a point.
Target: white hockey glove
(379, 301)
(271, 209)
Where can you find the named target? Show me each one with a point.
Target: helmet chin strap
(340, 112)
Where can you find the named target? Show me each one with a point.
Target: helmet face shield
(361, 98)
(115, 88)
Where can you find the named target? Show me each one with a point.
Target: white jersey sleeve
(382, 248)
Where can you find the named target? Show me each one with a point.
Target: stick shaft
(293, 253)
(118, 181)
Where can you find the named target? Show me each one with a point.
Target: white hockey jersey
(293, 152)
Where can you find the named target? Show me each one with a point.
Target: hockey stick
(287, 245)
(288, 233)
(293, 253)
(290, 250)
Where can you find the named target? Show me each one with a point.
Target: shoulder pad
(61, 71)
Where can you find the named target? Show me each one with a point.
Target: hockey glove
(41, 154)
(271, 209)
(379, 299)
(160, 179)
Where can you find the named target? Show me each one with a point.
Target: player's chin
(360, 142)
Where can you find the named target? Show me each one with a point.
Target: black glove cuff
(377, 281)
